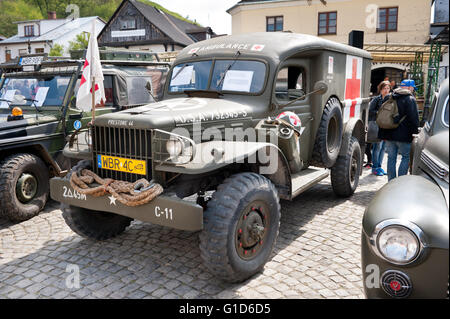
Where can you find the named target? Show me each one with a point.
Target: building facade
(141, 26)
(394, 30)
(39, 36)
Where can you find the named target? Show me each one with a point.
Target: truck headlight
(399, 242)
(174, 147)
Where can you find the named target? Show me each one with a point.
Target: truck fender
(42, 153)
(354, 127)
(267, 158)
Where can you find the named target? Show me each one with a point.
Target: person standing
(398, 140)
(378, 148)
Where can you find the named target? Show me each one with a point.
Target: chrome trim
(419, 234)
(443, 112)
(435, 165)
(178, 160)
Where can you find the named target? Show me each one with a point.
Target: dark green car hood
(415, 199)
(176, 112)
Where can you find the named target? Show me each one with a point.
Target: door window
(290, 84)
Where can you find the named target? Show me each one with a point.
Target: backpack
(385, 115)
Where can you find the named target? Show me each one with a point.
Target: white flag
(92, 69)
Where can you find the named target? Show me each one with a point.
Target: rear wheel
(24, 186)
(345, 173)
(241, 225)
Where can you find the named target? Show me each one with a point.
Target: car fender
(414, 199)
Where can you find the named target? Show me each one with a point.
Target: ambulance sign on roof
(231, 46)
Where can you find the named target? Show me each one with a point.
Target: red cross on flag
(92, 69)
(352, 87)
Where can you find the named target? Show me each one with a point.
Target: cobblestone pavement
(317, 255)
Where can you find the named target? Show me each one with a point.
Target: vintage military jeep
(37, 113)
(405, 227)
(252, 118)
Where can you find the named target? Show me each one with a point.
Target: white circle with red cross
(292, 118)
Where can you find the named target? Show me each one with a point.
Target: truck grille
(125, 143)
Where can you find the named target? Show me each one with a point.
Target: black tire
(94, 224)
(22, 203)
(329, 135)
(345, 173)
(229, 249)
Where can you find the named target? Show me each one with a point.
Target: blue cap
(407, 83)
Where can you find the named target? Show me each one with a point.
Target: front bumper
(163, 210)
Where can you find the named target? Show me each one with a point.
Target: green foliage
(15, 10)
(57, 50)
(20, 10)
(81, 42)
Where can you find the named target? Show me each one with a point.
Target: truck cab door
(293, 81)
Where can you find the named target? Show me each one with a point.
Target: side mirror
(320, 87)
(148, 86)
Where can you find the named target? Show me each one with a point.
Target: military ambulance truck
(246, 120)
(38, 112)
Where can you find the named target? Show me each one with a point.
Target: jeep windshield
(48, 90)
(219, 75)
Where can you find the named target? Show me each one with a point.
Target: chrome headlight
(174, 147)
(399, 242)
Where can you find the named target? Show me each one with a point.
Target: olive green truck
(245, 121)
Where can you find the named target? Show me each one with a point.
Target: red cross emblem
(353, 87)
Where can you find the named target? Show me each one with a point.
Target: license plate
(121, 164)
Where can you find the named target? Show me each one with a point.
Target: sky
(208, 13)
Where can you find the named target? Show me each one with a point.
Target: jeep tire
(24, 186)
(241, 224)
(329, 135)
(345, 173)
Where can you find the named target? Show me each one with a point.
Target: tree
(80, 43)
(57, 50)
(17, 10)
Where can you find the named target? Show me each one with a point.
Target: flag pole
(92, 73)
(93, 99)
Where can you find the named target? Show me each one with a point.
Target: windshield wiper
(238, 53)
(33, 103)
(203, 93)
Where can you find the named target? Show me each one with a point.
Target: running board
(306, 179)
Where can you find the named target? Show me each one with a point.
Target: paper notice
(240, 81)
(9, 95)
(41, 95)
(182, 77)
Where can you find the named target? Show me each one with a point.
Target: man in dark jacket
(398, 141)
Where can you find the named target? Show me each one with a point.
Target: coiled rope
(130, 194)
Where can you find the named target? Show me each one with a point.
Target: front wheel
(241, 224)
(24, 186)
(345, 173)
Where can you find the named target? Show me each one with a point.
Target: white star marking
(112, 200)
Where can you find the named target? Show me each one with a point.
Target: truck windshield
(242, 76)
(44, 90)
